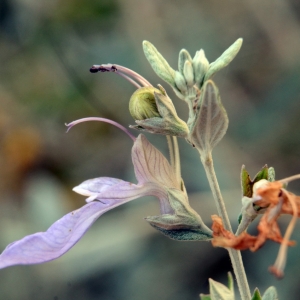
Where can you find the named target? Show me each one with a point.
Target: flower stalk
(235, 255)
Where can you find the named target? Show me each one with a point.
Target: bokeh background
(46, 50)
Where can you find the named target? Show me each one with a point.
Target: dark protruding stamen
(94, 69)
(114, 68)
(101, 68)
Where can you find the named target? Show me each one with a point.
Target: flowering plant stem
(235, 255)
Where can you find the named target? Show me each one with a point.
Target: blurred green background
(46, 50)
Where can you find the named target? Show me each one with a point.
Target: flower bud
(142, 104)
(162, 119)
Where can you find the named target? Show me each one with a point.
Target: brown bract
(277, 201)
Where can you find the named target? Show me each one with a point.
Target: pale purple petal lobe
(67, 231)
(150, 165)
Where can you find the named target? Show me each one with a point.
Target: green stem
(235, 256)
(171, 151)
(177, 159)
(174, 156)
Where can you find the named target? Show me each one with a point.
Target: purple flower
(155, 177)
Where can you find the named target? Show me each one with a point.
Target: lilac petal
(66, 232)
(106, 189)
(150, 165)
(95, 186)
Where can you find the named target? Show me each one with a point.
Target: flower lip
(81, 191)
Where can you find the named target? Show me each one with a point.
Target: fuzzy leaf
(180, 83)
(183, 57)
(226, 57)
(246, 183)
(204, 297)
(270, 294)
(188, 73)
(219, 291)
(159, 64)
(200, 66)
(271, 174)
(256, 295)
(211, 120)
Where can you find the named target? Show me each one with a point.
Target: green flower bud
(142, 104)
(154, 112)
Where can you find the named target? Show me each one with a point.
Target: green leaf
(158, 63)
(205, 297)
(219, 291)
(246, 183)
(270, 294)
(226, 57)
(262, 174)
(256, 295)
(230, 282)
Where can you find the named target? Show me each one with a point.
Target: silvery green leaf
(271, 174)
(204, 297)
(180, 83)
(188, 73)
(226, 57)
(158, 63)
(248, 214)
(219, 291)
(270, 294)
(256, 295)
(183, 57)
(211, 121)
(200, 66)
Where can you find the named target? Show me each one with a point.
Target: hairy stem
(235, 256)
(171, 151)
(174, 156)
(177, 159)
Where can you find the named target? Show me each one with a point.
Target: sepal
(168, 122)
(184, 223)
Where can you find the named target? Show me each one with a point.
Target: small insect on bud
(94, 69)
(142, 104)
